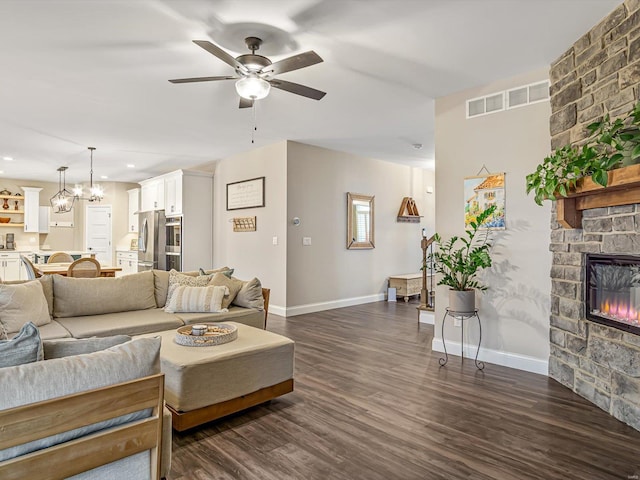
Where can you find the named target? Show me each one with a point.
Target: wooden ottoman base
(185, 420)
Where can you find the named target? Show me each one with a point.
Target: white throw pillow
(196, 299)
(22, 303)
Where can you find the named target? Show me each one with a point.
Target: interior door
(98, 232)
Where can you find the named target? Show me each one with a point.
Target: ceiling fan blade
(201, 79)
(221, 54)
(245, 102)
(295, 62)
(297, 89)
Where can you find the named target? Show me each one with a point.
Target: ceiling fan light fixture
(252, 87)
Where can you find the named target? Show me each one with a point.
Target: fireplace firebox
(612, 293)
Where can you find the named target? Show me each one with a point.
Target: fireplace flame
(619, 310)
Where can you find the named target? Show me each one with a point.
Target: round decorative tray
(216, 334)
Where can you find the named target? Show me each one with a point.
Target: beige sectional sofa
(131, 305)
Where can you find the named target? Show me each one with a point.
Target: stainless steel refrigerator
(152, 240)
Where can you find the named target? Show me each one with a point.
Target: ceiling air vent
(515, 97)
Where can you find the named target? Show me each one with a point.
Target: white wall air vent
(517, 97)
(539, 92)
(495, 103)
(512, 98)
(475, 107)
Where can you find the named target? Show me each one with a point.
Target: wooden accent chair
(60, 257)
(32, 273)
(84, 268)
(42, 419)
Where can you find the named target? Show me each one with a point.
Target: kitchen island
(42, 256)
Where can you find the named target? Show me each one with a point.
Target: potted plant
(460, 259)
(611, 145)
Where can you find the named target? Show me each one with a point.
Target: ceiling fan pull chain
(255, 122)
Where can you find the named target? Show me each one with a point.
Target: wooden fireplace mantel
(623, 188)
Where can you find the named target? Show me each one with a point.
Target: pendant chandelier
(95, 191)
(62, 201)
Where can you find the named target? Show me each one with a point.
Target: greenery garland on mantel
(611, 145)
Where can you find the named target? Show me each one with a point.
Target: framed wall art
(245, 194)
(481, 192)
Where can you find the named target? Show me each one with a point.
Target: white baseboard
(277, 310)
(319, 307)
(506, 359)
(427, 317)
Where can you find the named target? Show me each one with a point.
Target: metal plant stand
(462, 316)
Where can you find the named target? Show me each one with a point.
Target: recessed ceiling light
(8, 159)
(103, 177)
(130, 165)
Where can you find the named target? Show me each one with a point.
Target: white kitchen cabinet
(152, 194)
(128, 261)
(10, 266)
(173, 193)
(31, 209)
(134, 203)
(44, 217)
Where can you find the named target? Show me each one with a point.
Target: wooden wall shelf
(623, 188)
(408, 212)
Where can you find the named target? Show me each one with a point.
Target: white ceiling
(79, 73)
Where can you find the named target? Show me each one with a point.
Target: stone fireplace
(599, 74)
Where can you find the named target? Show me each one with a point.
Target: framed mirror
(360, 221)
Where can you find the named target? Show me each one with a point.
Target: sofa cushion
(25, 347)
(232, 284)
(65, 347)
(47, 287)
(196, 299)
(246, 316)
(22, 303)
(121, 323)
(35, 382)
(94, 296)
(53, 330)
(250, 295)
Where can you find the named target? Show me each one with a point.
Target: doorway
(98, 232)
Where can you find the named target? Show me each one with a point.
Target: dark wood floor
(371, 402)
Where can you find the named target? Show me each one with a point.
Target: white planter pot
(462, 301)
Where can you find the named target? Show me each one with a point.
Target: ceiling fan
(255, 73)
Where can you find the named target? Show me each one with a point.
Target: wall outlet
(32, 239)
(457, 322)
(306, 241)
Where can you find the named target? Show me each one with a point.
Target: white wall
(326, 272)
(515, 311)
(311, 183)
(253, 254)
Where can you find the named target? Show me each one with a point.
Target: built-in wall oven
(173, 247)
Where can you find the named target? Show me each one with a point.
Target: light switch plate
(306, 241)
(275, 240)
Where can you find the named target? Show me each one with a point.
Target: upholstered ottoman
(206, 383)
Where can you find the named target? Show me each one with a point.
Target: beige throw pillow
(196, 299)
(250, 295)
(22, 303)
(177, 279)
(234, 286)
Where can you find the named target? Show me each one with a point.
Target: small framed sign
(245, 194)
